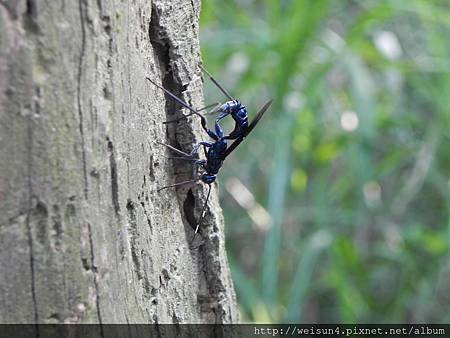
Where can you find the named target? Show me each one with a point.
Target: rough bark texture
(84, 235)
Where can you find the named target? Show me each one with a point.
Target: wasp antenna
(175, 98)
(177, 184)
(217, 84)
(174, 149)
(215, 105)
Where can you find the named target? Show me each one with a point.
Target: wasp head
(208, 179)
(230, 107)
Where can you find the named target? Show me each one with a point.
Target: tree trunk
(84, 235)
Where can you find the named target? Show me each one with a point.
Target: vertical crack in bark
(161, 47)
(134, 235)
(94, 270)
(114, 178)
(193, 11)
(31, 8)
(147, 216)
(80, 111)
(30, 17)
(162, 44)
(188, 208)
(28, 225)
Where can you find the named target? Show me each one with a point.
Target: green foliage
(351, 161)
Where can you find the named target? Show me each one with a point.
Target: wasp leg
(177, 184)
(175, 149)
(181, 158)
(215, 105)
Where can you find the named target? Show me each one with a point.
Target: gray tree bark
(84, 235)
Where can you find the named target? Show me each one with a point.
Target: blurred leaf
(302, 278)
(299, 179)
(326, 152)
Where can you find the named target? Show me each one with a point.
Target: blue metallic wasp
(216, 151)
(233, 107)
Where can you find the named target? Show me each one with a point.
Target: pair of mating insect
(217, 151)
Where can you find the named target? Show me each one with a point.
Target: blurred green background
(337, 206)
